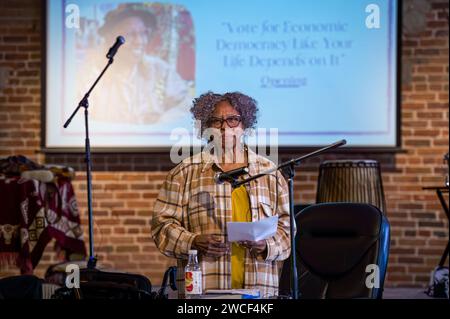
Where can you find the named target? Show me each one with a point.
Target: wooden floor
(405, 293)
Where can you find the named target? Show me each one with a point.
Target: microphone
(230, 176)
(113, 50)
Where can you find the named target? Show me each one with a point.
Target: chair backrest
(21, 287)
(100, 284)
(342, 251)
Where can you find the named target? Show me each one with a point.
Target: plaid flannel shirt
(190, 202)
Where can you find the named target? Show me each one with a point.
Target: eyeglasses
(232, 121)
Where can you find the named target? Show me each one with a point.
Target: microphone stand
(289, 170)
(85, 104)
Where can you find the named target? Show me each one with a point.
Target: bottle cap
(192, 252)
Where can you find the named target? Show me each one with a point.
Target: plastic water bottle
(192, 277)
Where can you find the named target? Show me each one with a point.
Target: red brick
(432, 224)
(134, 221)
(133, 177)
(437, 24)
(418, 170)
(413, 124)
(440, 5)
(145, 213)
(127, 249)
(115, 187)
(410, 43)
(429, 252)
(423, 215)
(120, 240)
(396, 269)
(413, 106)
(433, 42)
(127, 195)
(107, 177)
(411, 260)
(133, 231)
(406, 179)
(430, 69)
(103, 196)
(137, 204)
(402, 223)
(402, 251)
(142, 186)
(424, 133)
(149, 195)
(430, 115)
(439, 123)
(122, 212)
(16, 56)
(436, 78)
(20, 99)
(400, 278)
(111, 204)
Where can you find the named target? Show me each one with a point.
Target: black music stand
(84, 103)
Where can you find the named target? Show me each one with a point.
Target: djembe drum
(356, 181)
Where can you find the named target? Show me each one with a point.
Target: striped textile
(48, 290)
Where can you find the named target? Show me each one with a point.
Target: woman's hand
(256, 247)
(210, 245)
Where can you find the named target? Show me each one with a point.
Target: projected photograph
(293, 57)
(147, 90)
(147, 85)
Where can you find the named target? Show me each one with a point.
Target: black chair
(21, 287)
(336, 243)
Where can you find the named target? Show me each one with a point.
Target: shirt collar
(209, 160)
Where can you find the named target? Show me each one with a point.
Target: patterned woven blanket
(32, 213)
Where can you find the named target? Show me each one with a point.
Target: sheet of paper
(250, 292)
(254, 231)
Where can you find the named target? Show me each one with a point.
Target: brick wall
(125, 185)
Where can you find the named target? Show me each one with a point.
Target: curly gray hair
(204, 106)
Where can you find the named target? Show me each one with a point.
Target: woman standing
(192, 209)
